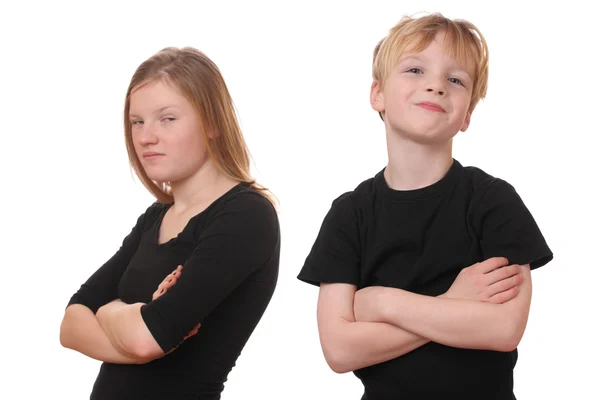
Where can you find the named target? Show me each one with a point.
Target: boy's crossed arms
(486, 307)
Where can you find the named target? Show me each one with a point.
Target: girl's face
(166, 132)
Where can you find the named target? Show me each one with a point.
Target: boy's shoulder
(362, 195)
(483, 184)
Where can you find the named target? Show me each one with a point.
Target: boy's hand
(492, 281)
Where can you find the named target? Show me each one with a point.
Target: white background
(299, 73)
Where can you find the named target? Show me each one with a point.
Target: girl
(213, 232)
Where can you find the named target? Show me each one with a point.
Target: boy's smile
(428, 105)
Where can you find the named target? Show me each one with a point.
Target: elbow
(510, 338)
(337, 364)
(514, 338)
(65, 336)
(143, 351)
(337, 359)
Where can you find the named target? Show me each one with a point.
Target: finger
(159, 292)
(177, 270)
(501, 273)
(504, 285)
(503, 297)
(170, 280)
(491, 264)
(195, 330)
(192, 332)
(175, 274)
(166, 285)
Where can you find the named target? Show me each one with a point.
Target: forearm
(452, 322)
(81, 331)
(361, 344)
(126, 329)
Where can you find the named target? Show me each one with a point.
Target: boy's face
(426, 97)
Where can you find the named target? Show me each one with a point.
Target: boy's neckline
(426, 192)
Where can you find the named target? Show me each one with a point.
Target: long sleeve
(102, 286)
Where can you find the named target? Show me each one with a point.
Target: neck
(201, 188)
(413, 165)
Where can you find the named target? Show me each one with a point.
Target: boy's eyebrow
(410, 57)
(160, 110)
(456, 67)
(459, 68)
(463, 71)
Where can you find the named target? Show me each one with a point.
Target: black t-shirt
(230, 257)
(419, 240)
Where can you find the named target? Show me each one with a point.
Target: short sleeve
(241, 238)
(335, 255)
(102, 287)
(506, 228)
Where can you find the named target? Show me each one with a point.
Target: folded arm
(81, 331)
(349, 345)
(208, 276)
(127, 331)
(352, 337)
(452, 322)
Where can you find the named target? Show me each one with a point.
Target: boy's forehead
(453, 53)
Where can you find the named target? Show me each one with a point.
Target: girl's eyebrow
(160, 110)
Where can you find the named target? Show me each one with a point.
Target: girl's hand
(168, 282)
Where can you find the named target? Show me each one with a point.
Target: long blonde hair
(201, 82)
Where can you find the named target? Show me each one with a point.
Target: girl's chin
(160, 178)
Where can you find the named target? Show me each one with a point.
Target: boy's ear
(377, 97)
(466, 122)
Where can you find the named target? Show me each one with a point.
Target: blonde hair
(201, 82)
(463, 42)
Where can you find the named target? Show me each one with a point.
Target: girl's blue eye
(456, 80)
(415, 70)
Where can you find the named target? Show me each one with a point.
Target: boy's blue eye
(415, 70)
(456, 80)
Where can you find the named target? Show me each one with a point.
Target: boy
(396, 304)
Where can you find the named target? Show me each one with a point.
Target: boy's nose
(439, 91)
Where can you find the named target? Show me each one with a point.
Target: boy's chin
(427, 137)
